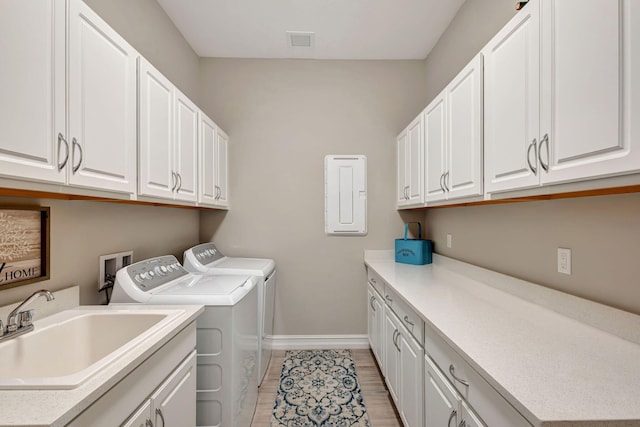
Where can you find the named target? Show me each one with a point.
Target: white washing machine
(207, 259)
(227, 332)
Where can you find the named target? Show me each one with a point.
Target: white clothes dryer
(227, 332)
(207, 259)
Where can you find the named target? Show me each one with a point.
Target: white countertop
(59, 407)
(558, 359)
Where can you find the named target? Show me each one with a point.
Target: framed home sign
(24, 245)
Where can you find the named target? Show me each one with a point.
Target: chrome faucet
(20, 321)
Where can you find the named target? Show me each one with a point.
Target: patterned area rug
(319, 388)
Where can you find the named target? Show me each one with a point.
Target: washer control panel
(154, 272)
(207, 253)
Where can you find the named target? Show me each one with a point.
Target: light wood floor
(380, 408)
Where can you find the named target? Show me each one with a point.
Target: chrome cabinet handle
(397, 338)
(406, 319)
(396, 335)
(174, 181)
(545, 141)
(445, 179)
(371, 303)
(453, 414)
(406, 192)
(66, 156)
(534, 145)
(179, 182)
(74, 143)
(393, 338)
(452, 371)
(388, 298)
(159, 413)
(218, 192)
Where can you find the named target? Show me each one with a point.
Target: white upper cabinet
(511, 103)
(186, 148)
(435, 130)
(214, 145)
(464, 105)
(168, 138)
(453, 137)
(32, 83)
(156, 176)
(559, 94)
(410, 145)
(208, 192)
(222, 168)
(589, 89)
(98, 149)
(102, 104)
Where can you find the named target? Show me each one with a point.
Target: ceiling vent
(301, 39)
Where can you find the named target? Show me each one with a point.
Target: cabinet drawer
(487, 402)
(375, 280)
(407, 316)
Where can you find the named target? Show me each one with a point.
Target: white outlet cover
(564, 260)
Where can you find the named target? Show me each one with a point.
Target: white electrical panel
(345, 195)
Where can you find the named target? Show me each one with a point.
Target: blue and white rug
(319, 388)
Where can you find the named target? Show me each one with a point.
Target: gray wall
(145, 25)
(82, 231)
(283, 117)
(522, 239)
(473, 26)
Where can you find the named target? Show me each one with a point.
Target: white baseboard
(318, 342)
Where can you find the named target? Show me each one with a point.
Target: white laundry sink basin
(69, 347)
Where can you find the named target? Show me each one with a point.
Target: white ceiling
(344, 29)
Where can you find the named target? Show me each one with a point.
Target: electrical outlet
(449, 240)
(564, 260)
(110, 264)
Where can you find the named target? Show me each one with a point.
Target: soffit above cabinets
(343, 29)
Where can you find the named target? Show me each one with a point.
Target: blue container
(413, 251)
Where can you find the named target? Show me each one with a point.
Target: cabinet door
(207, 190)
(155, 115)
(391, 354)
(442, 403)
(186, 147)
(102, 103)
(174, 402)
(511, 103)
(376, 324)
(414, 159)
(435, 148)
(401, 165)
(142, 416)
(222, 168)
(464, 131)
(469, 418)
(32, 83)
(411, 378)
(585, 89)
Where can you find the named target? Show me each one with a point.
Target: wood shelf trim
(537, 198)
(12, 192)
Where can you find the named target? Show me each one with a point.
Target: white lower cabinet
(173, 403)
(376, 323)
(441, 402)
(403, 369)
(391, 355)
(159, 392)
(410, 384)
